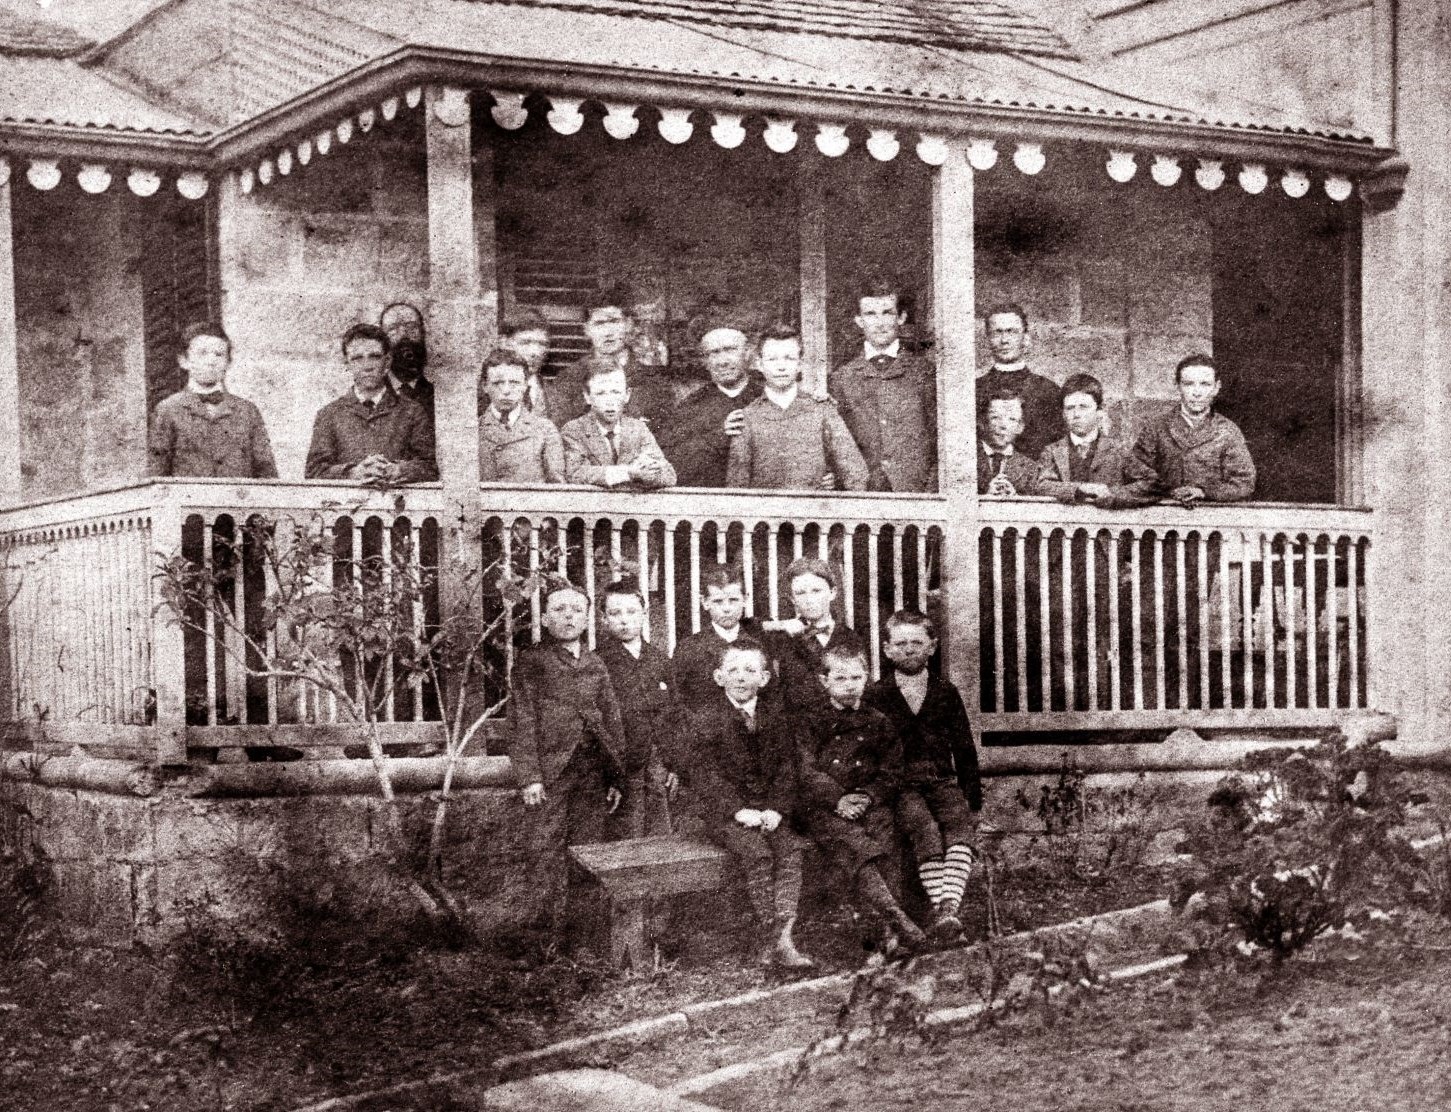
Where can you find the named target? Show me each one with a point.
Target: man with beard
(404, 325)
(1007, 338)
(698, 436)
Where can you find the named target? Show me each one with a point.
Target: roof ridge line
(98, 51)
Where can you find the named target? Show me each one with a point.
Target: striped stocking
(955, 871)
(931, 872)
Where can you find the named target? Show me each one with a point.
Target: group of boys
(1189, 455)
(766, 738)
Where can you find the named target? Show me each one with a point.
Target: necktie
(533, 398)
(999, 461)
(1082, 451)
(369, 405)
(749, 718)
(214, 398)
(614, 446)
(882, 362)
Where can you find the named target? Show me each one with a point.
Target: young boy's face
(879, 319)
(505, 386)
(565, 616)
(781, 363)
(845, 681)
(1198, 387)
(1080, 414)
(205, 361)
(606, 395)
(725, 605)
(742, 673)
(1004, 421)
(608, 329)
(531, 345)
(909, 647)
(624, 617)
(812, 596)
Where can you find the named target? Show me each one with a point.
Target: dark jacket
(557, 704)
(1042, 406)
(692, 668)
(693, 439)
(1169, 454)
(1019, 469)
(345, 432)
(1108, 464)
(420, 390)
(731, 768)
(840, 752)
(649, 708)
(215, 440)
(937, 740)
(890, 407)
(796, 660)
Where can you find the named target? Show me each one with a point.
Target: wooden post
(954, 318)
(453, 340)
(168, 660)
(9, 357)
(815, 335)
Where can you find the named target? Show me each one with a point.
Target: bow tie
(212, 398)
(882, 359)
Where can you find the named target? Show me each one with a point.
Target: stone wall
(81, 350)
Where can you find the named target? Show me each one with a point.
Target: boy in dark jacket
(798, 648)
(567, 739)
(640, 675)
(743, 782)
(849, 761)
(693, 667)
(942, 790)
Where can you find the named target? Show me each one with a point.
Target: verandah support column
(811, 220)
(954, 319)
(453, 325)
(9, 357)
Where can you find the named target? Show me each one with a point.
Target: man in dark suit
(888, 397)
(408, 355)
(798, 648)
(697, 438)
(1007, 337)
(370, 434)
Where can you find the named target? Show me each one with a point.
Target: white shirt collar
(1194, 422)
(1020, 365)
(199, 392)
(634, 648)
(749, 706)
(872, 351)
(1082, 441)
(727, 635)
(989, 450)
(823, 632)
(785, 397)
(734, 391)
(374, 398)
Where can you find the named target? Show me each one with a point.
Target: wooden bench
(635, 871)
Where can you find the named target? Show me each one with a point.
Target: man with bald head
(697, 438)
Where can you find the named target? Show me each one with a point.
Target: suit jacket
(692, 668)
(528, 451)
(1109, 465)
(1214, 457)
(649, 707)
(227, 438)
(693, 439)
(891, 412)
(845, 751)
(345, 432)
(731, 768)
(796, 660)
(651, 395)
(937, 740)
(1042, 406)
(587, 452)
(558, 703)
(792, 448)
(1019, 469)
(420, 390)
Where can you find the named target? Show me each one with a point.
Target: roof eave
(70, 141)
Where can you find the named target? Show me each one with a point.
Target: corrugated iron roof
(59, 91)
(29, 36)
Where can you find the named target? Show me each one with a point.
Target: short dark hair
(203, 328)
(782, 331)
(842, 653)
(743, 645)
(809, 565)
(523, 320)
(721, 576)
(554, 584)
(400, 305)
(626, 585)
(501, 357)
(1082, 384)
(913, 618)
(362, 331)
(1196, 360)
(1004, 393)
(1002, 308)
(613, 297)
(879, 284)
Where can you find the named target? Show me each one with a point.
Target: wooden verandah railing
(1056, 618)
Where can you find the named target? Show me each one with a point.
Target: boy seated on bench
(850, 766)
(743, 785)
(942, 790)
(567, 740)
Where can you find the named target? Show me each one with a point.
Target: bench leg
(628, 944)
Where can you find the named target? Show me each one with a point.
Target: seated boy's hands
(1093, 491)
(1187, 495)
(672, 785)
(533, 794)
(748, 818)
(1001, 487)
(770, 820)
(853, 805)
(612, 800)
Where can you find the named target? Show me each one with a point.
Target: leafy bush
(1088, 829)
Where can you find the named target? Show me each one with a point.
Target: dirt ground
(1372, 1033)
